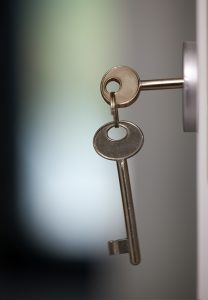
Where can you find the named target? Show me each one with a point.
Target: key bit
(118, 247)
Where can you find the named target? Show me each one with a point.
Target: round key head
(128, 81)
(124, 148)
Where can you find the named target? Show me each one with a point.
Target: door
(202, 153)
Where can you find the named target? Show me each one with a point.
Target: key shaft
(128, 207)
(161, 84)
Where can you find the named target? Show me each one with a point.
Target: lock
(190, 77)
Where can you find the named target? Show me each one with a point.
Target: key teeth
(118, 247)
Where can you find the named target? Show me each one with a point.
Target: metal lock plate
(190, 76)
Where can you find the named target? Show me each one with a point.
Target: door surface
(202, 153)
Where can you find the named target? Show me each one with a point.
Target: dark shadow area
(24, 272)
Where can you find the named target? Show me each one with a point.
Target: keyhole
(113, 86)
(117, 133)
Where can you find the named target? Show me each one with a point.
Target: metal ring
(114, 109)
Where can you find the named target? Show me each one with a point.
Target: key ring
(114, 109)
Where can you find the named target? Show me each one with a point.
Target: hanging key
(119, 151)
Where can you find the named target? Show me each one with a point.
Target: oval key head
(118, 149)
(128, 81)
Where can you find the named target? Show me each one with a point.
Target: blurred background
(62, 201)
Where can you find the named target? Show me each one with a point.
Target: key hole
(113, 85)
(117, 133)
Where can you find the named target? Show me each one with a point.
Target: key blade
(128, 206)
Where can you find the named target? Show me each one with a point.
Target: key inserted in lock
(130, 85)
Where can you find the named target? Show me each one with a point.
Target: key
(130, 85)
(119, 151)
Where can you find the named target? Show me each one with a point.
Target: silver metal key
(130, 85)
(120, 150)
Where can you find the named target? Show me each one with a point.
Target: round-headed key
(130, 85)
(120, 150)
(128, 81)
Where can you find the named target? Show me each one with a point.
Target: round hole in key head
(116, 134)
(113, 85)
